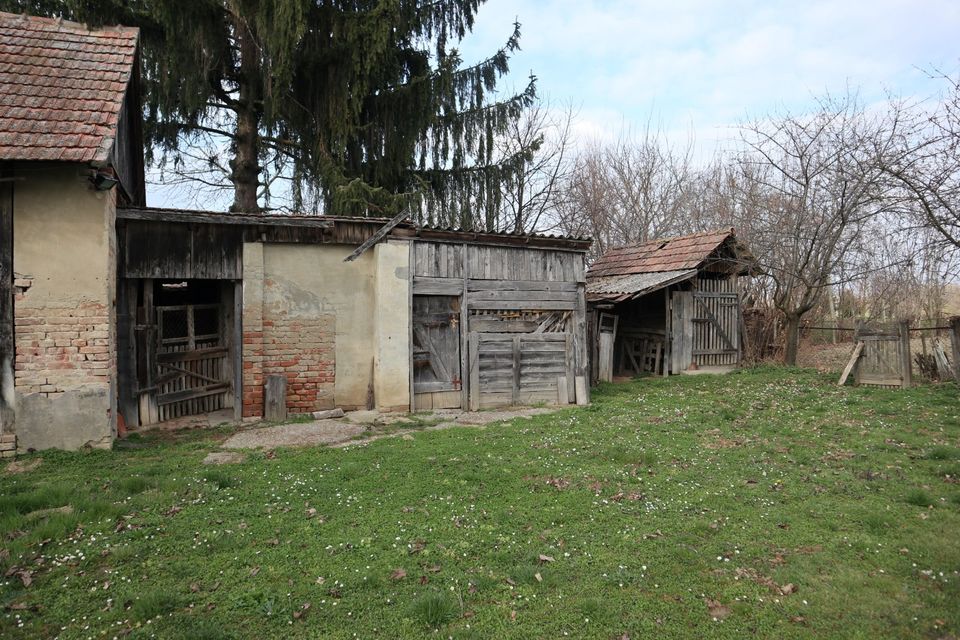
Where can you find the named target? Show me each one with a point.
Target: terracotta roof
(61, 88)
(665, 254)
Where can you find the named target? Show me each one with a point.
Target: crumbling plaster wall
(337, 330)
(64, 310)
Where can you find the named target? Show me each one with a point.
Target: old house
(111, 310)
(70, 151)
(667, 306)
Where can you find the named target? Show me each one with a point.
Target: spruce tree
(365, 102)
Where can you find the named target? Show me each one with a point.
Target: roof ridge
(60, 23)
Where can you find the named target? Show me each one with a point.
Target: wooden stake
(857, 350)
(906, 378)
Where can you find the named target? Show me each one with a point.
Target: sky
(695, 68)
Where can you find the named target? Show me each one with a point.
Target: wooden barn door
(436, 352)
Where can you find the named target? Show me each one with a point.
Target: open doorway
(182, 347)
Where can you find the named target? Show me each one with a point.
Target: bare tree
(532, 196)
(927, 166)
(629, 191)
(814, 184)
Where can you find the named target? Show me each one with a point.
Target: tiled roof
(666, 254)
(61, 88)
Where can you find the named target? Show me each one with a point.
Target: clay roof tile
(62, 87)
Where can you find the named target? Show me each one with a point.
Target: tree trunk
(245, 168)
(792, 335)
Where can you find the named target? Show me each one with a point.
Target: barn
(112, 312)
(667, 306)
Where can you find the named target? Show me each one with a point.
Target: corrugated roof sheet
(61, 88)
(657, 256)
(620, 288)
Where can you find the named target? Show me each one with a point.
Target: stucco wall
(64, 312)
(336, 329)
(392, 322)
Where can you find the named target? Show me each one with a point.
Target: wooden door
(681, 325)
(437, 377)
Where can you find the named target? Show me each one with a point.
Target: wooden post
(516, 370)
(474, 371)
(668, 334)
(236, 350)
(906, 379)
(955, 341)
(7, 357)
(275, 398)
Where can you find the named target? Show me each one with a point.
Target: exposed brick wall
(286, 331)
(302, 349)
(59, 349)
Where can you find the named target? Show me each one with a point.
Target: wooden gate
(883, 356)
(188, 363)
(518, 368)
(706, 325)
(436, 352)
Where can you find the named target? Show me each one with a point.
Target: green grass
(623, 517)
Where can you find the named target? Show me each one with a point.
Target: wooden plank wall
(524, 314)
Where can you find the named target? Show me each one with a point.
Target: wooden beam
(376, 237)
(955, 341)
(275, 398)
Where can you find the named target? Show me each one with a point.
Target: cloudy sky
(699, 66)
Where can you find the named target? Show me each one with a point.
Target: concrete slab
(348, 431)
(304, 434)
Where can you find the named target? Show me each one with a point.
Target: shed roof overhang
(615, 289)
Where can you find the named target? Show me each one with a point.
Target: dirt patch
(23, 466)
(224, 457)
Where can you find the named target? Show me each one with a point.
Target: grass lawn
(767, 503)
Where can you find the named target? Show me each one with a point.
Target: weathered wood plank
(857, 350)
(563, 396)
(424, 285)
(275, 398)
(474, 372)
(906, 373)
(493, 324)
(523, 295)
(474, 285)
(524, 305)
(190, 394)
(583, 390)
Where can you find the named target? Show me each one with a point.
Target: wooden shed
(666, 306)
